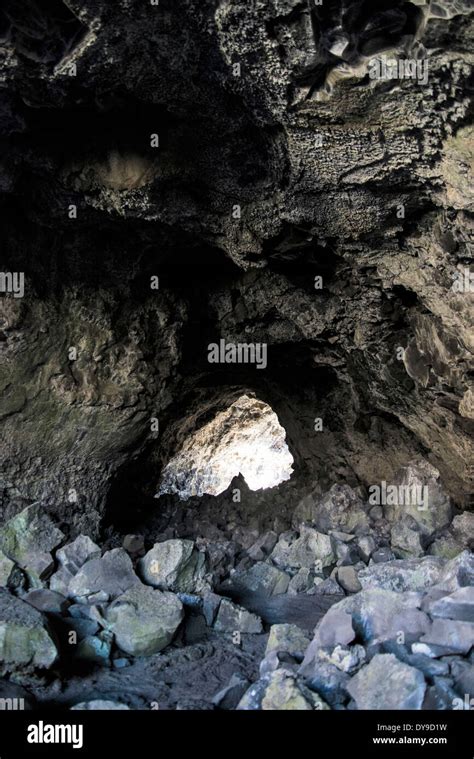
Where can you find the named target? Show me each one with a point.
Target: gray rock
(281, 691)
(405, 541)
(346, 658)
(263, 546)
(366, 545)
(46, 600)
(403, 574)
(210, 606)
(458, 572)
(302, 581)
(326, 679)
(233, 618)
(288, 639)
(6, 566)
(448, 636)
(329, 587)
(101, 580)
(459, 605)
(99, 705)
(311, 549)
(94, 650)
(144, 620)
(71, 558)
(387, 684)
(28, 539)
(431, 513)
(25, 641)
(174, 565)
(446, 546)
(462, 528)
(335, 628)
(229, 697)
(341, 509)
(348, 580)
(261, 577)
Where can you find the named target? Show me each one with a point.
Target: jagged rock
(403, 574)
(99, 705)
(261, 577)
(346, 552)
(25, 641)
(288, 639)
(387, 684)
(346, 658)
(366, 545)
(6, 566)
(263, 546)
(230, 696)
(302, 581)
(210, 606)
(103, 579)
(174, 565)
(446, 547)
(71, 558)
(348, 580)
(447, 636)
(462, 528)
(326, 679)
(311, 549)
(405, 541)
(46, 600)
(94, 650)
(233, 618)
(459, 605)
(279, 691)
(458, 572)
(432, 511)
(144, 620)
(335, 628)
(341, 509)
(28, 539)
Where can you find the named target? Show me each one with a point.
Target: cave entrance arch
(245, 438)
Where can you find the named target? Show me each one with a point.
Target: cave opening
(244, 439)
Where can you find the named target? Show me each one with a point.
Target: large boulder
(101, 580)
(29, 539)
(387, 684)
(458, 605)
(174, 565)
(419, 495)
(72, 558)
(462, 528)
(403, 574)
(144, 620)
(340, 509)
(25, 642)
(311, 549)
(261, 577)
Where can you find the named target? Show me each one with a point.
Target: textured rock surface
(174, 565)
(24, 639)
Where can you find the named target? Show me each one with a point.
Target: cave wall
(319, 158)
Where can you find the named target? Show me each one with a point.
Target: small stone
(459, 605)
(94, 650)
(376, 513)
(302, 581)
(25, 641)
(101, 580)
(174, 565)
(233, 618)
(347, 579)
(144, 620)
(346, 658)
(387, 684)
(28, 539)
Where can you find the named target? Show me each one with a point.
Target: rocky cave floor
(175, 175)
(353, 607)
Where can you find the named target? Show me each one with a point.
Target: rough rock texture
(25, 642)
